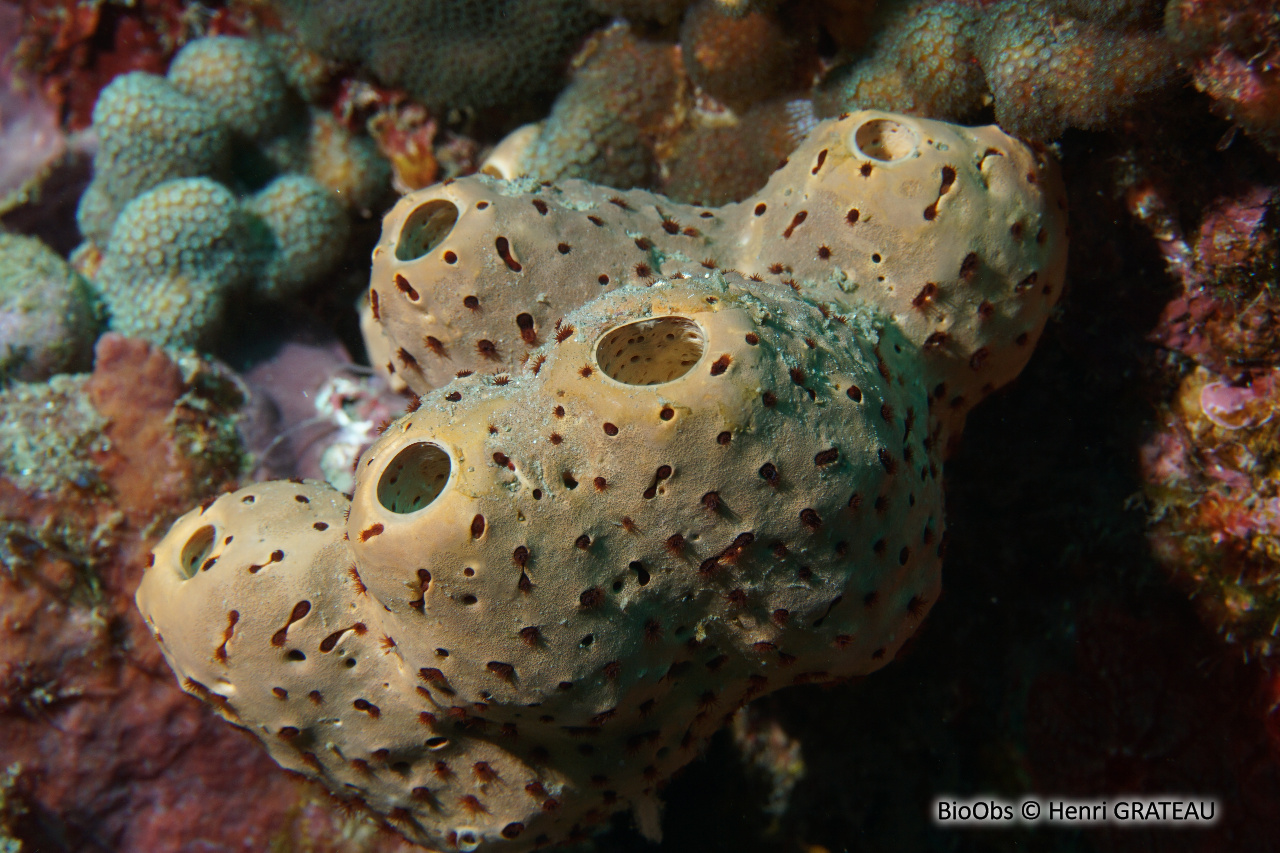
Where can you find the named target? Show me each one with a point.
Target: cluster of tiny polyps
(647, 480)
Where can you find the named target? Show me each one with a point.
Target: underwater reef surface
(1112, 578)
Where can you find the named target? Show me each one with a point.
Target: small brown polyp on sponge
(655, 490)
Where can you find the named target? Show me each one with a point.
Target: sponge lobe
(655, 489)
(729, 466)
(958, 234)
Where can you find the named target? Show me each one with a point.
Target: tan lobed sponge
(554, 585)
(958, 234)
(668, 459)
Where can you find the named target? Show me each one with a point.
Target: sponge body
(666, 459)
(523, 629)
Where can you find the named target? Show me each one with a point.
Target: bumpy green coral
(148, 133)
(1046, 66)
(308, 229)
(306, 71)
(227, 115)
(922, 62)
(238, 81)
(451, 53)
(1048, 72)
(48, 315)
(176, 253)
(738, 59)
(598, 129)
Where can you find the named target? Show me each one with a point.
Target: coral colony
(210, 181)
(635, 412)
(657, 489)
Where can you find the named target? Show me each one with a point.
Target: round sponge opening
(885, 140)
(650, 352)
(196, 551)
(415, 477)
(426, 228)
